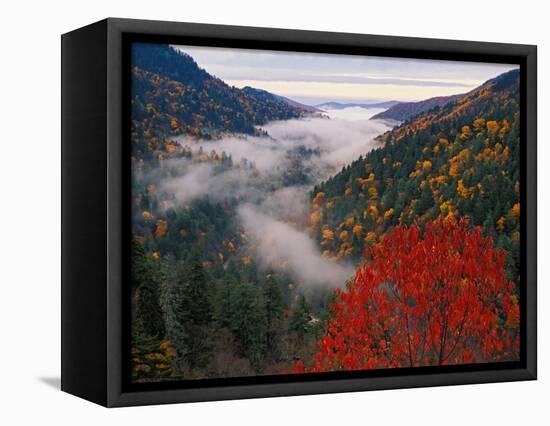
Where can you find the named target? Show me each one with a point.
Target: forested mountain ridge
(404, 110)
(261, 94)
(461, 159)
(172, 95)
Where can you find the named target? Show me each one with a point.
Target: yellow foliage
(486, 155)
(462, 190)
(504, 129)
(516, 210)
(156, 255)
(357, 229)
(246, 260)
(439, 180)
(170, 148)
(466, 133)
(446, 207)
(142, 367)
(501, 223)
(168, 349)
(347, 191)
(319, 197)
(373, 211)
(492, 127)
(328, 234)
(426, 165)
(371, 237)
(162, 366)
(147, 215)
(155, 356)
(344, 235)
(373, 193)
(389, 213)
(458, 161)
(350, 221)
(162, 228)
(316, 217)
(479, 125)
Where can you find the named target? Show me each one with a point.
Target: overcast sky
(314, 78)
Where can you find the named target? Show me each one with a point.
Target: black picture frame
(95, 211)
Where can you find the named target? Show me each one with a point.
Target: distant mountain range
(341, 105)
(404, 110)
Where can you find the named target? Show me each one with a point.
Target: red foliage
(423, 298)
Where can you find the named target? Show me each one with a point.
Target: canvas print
(297, 213)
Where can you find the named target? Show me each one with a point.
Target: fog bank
(271, 180)
(278, 244)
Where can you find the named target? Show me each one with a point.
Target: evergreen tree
(193, 311)
(273, 312)
(145, 282)
(149, 315)
(248, 321)
(301, 317)
(222, 300)
(426, 200)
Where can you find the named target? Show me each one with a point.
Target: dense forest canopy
(251, 214)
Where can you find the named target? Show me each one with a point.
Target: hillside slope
(459, 160)
(172, 95)
(405, 110)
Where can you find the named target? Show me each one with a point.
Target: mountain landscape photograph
(297, 213)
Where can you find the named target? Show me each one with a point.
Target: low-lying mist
(277, 244)
(270, 201)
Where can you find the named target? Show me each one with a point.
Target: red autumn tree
(433, 297)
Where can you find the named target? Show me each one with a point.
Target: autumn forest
(282, 224)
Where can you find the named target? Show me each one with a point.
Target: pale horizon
(315, 78)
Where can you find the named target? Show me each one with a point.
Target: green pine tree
(274, 312)
(145, 280)
(192, 311)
